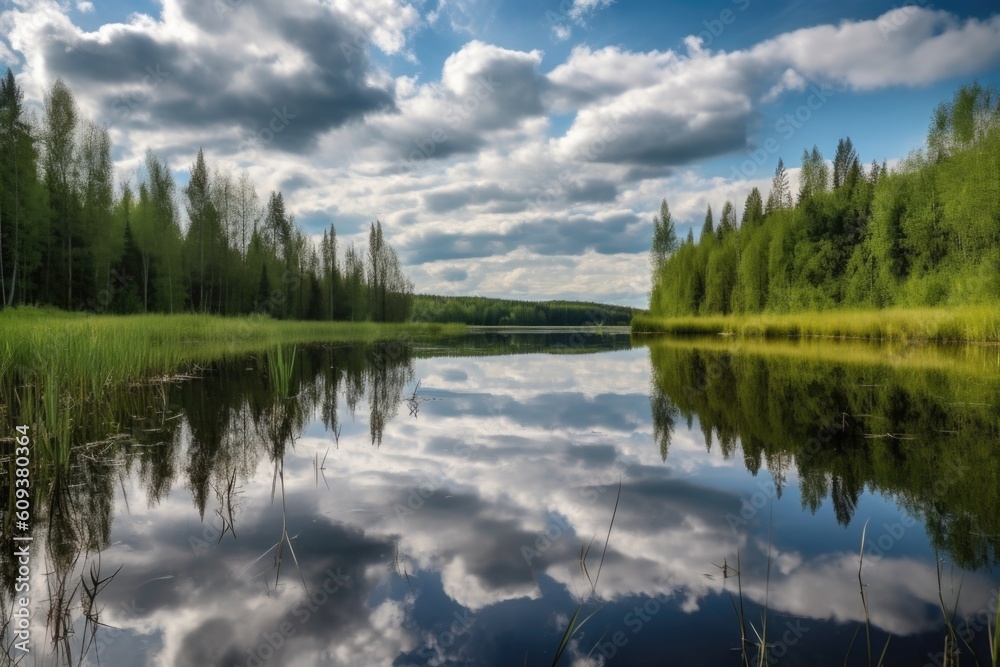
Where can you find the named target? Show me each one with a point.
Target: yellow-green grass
(976, 362)
(962, 324)
(91, 352)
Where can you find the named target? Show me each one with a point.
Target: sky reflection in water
(457, 539)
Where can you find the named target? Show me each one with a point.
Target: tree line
(71, 237)
(926, 233)
(484, 311)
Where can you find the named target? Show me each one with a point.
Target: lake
(460, 503)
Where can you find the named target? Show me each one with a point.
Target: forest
(925, 233)
(74, 238)
(483, 311)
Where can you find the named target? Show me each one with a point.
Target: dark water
(371, 521)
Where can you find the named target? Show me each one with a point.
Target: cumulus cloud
(907, 46)
(304, 71)
(490, 153)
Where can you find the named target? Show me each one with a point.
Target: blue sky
(510, 148)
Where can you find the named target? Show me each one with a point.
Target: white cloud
(470, 17)
(583, 8)
(790, 80)
(908, 46)
(500, 159)
(576, 14)
(84, 7)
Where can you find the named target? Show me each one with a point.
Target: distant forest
(482, 311)
(71, 238)
(925, 233)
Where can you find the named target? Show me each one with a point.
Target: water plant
(573, 627)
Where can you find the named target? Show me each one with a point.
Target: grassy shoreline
(108, 349)
(968, 324)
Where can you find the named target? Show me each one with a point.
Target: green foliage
(483, 311)
(815, 174)
(129, 270)
(727, 223)
(753, 210)
(925, 234)
(966, 323)
(708, 228)
(24, 218)
(845, 159)
(664, 238)
(720, 276)
(116, 350)
(780, 196)
(389, 291)
(67, 240)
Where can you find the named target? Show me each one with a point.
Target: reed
(574, 626)
(58, 369)
(280, 366)
(93, 351)
(963, 324)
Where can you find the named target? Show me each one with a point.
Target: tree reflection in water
(917, 424)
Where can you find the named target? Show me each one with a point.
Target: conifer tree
(753, 210)
(708, 228)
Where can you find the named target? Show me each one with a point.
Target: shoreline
(966, 324)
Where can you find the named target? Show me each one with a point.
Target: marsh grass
(964, 324)
(954, 638)
(94, 351)
(280, 369)
(864, 604)
(59, 369)
(574, 627)
(993, 634)
(62, 374)
(762, 647)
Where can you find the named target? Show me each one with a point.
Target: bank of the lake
(963, 324)
(81, 347)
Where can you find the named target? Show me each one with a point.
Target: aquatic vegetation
(962, 324)
(60, 369)
(94, 351)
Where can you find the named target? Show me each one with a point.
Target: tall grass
(574, 627)
(280, 366)
(964, 324)
(59, 368)
(89, 352)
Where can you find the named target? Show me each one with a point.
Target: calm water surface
(417, 505)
